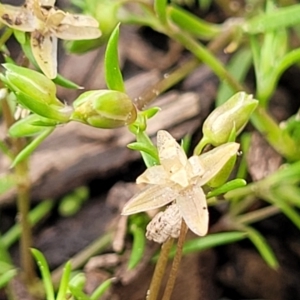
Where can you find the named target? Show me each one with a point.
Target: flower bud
(31, 83)
(232, 115)
(35, 92)
(104, 109)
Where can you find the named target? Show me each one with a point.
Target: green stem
(281, 142)
(206, 55)
(176, 262)
(257, 215)
(159, 271)
(21, 173)
(23, 203)
(39, 212)
(181, 72)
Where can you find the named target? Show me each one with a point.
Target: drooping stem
(176, 262)
(159, 270)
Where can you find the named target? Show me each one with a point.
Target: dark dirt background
(78, 155)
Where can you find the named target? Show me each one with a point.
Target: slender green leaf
(76, 287)
(35, 215)
(64, 82)
(113, 75)
(228, 186)
(6, 277)
(102, 289)
(152, 151)
(138, 247)
(26, 152)
(160, 7)
(44, 268)
(280, 18)
(64, 282)
(192, 24)
(283, 204)
(210, 241)
(263, 247)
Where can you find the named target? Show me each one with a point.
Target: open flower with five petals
(46, 23)
(180, 179)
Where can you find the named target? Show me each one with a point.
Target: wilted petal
(80, 21)
(193, 207)
(213, 161)
(171, 155)
(17, 17)
(69, 32)
(55, 18)
(153, 175)
(150, 198)
(44, 49)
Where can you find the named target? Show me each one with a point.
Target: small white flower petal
(193, 207)
(151, 197)
(171, 155)
(80, 21)
(153, 175)
(195, 167)
(180, 178)
(213, 161)
(17, 17)
(72, 33)
(54, 18)
(47, 3)
(44, 49)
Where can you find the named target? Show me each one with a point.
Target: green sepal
(30, 125)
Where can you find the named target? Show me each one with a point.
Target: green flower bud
(31, 83)
(35, 92)
(232, 115)
(104, 109)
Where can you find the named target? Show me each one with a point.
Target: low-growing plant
(182, 188)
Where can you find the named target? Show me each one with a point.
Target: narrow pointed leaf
(26, 152)
(278, 19)
(263, 247)
(44, 268)
(113, 75)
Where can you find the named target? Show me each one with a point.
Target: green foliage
(113, 75)
(261, 39)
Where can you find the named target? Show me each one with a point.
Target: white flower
(46, 23)
(180, 179)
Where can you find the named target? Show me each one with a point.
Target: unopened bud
(232, 115)
(31, 83)
(104, 109)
